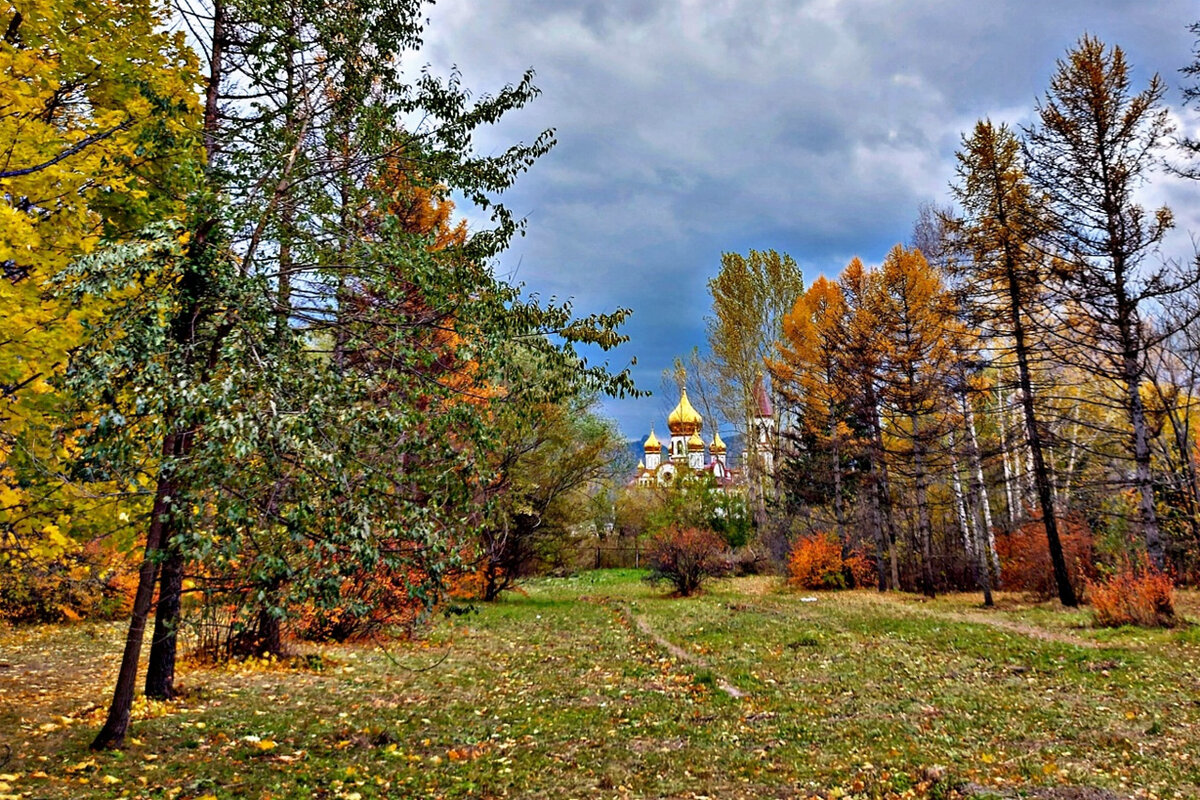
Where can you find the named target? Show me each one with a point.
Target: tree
(751, 294)
(98, 137)
(862, 364)
(809, 375)
(1005, 275)
(285, 461)
(916, 336)
(549, 459)
(1093, 146)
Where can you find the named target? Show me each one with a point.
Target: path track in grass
(675, 650)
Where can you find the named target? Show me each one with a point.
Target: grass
(560, 692)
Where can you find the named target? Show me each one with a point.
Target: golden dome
(652, 444)
(717, 445)
(684, 420)
(695, 442)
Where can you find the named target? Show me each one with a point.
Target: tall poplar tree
(751, 294)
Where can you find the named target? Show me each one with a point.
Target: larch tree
(1004, 273)
(807, 374)
(862, 363)
(916, 335)
(1093, 146)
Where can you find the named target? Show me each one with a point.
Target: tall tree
(808, 374)
(285, 460)
(863, 365)
(1093, 146)
(1004, 276)
(918, 326)
(751, 295)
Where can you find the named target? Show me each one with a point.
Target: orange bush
(816, 562)
(1025, 557)
(1143, 597)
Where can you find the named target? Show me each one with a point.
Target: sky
(689, 128)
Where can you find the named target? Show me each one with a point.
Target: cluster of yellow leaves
(99, 109)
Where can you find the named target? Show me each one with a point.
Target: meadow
(601, 686)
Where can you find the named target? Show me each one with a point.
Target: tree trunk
(112, 735)
(1041, 477)
(160, 674)
(839, 511)
(924, 532)
(979, 489)
(882, 489)
(1006, 452)
(1147, 517)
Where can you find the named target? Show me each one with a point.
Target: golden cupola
(717, 447)
(684, 420)
(652, 444)
(695, 443)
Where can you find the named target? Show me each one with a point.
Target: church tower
(763, 427)
(653, 451)
(685, 423)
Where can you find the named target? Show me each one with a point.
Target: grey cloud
(692, 127)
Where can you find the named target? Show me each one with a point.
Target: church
(686, 450)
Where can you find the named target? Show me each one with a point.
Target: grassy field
(599, 686)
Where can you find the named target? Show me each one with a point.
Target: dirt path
(992, 621)
(644, 627)
(675, 650)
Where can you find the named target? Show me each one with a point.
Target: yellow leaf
(265, 744)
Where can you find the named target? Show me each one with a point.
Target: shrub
(1132, 596)
(816, 562)
(1025, 557)
(686, 557)
(67, 588)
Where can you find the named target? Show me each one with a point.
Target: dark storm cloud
(694, 127)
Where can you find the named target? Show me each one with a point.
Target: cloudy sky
(688, 128)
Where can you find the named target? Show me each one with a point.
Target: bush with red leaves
(686, 557)
(1025, 557)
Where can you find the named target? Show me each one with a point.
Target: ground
(601, 686)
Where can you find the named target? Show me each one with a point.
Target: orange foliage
(1144, 597)
(817, 562)
(386, 593)
(1025, 557)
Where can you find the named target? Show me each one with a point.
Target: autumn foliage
(1133, 596)
(817, 562)
(1025, 553)
(686, 557)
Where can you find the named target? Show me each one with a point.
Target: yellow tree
(96, 138)
(916, 335)
(861, 362)
(808, 374)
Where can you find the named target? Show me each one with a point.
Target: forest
(270, 414)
